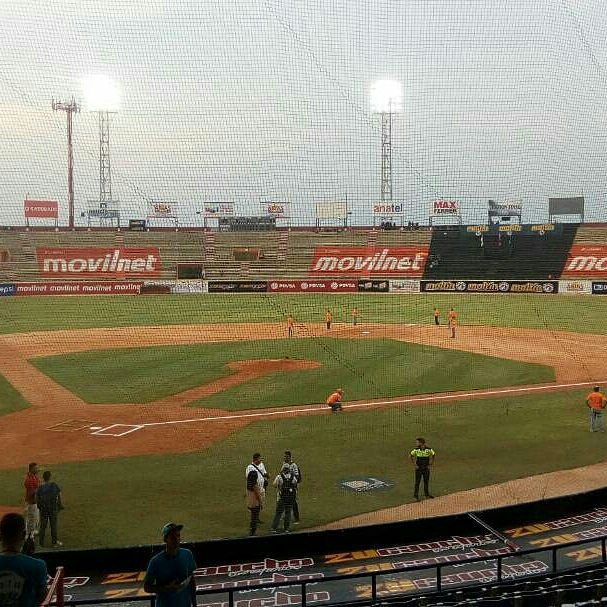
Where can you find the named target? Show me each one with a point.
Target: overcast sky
(234, 100)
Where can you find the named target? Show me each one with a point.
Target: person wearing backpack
(286, 484)
(296, 471)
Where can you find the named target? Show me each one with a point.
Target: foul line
(397, 401)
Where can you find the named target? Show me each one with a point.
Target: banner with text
(109, 262)
(369, 261)
(575, 287)
(392, 208)
(444, 207)
(490, 286)
(78, 288)
(48, 209)
(162, 209)
(587, 260)
(275, 209)
(218, 209)
(405, 286)
(309, 286)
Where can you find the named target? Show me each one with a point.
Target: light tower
(386, 100)
(69, 108)
(103, 96)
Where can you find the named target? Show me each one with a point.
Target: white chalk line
(398, 401)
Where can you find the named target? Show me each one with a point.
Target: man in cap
(170, 574)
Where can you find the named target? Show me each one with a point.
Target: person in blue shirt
(170, 574)
(48, 498)
(23, 579)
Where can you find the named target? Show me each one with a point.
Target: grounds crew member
(334, 400)
(286, 484)
(596, 403)
(296, 472)
(422, 458)
(436, 316)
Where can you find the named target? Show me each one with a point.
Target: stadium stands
(288, 254)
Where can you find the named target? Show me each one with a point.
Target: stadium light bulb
(386, 97)
(101, 94)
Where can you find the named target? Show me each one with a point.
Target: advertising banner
(599, 288)
(107, 262)
(405, 286)
(490, 286)
(41, 209)
(218, 209)
(8, 289)
(237, 286)
(444, 207)
(375, 286)
(331, 210)
(587, 260)
(78, 288)
(392, 208)
(575, 287)
(311, 286)
(275, 209)
(369, 261)
(162, 209)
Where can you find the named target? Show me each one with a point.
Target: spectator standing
(23, 577)
(48, 498)
(254, 501)
(422, 457)
(596, 403)
(170, 573)
(286, 484)
(334, 400)
(32, 516)
(296, 472)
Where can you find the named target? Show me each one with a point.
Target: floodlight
(386, 97)
(101, 94)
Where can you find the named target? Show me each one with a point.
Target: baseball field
(148, 408)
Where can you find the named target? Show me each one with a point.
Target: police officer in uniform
(422, 458)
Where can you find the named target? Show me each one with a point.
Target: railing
(374, 575)
(55, 590)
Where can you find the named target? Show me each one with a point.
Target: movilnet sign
(490, 286)
(587, 260)
(444, 207)
(78, 288)
(44, 209)
(312, 286)
(369, 261)
(107, 262)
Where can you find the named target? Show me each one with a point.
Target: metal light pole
(69, 108)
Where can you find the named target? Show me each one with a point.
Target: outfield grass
(369, 368)
(555, 312)
(10, 399)
(477, 443)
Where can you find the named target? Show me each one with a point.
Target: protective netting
(269, 101)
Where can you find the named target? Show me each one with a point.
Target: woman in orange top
(290, 325)
(328, 318)
(596, 403)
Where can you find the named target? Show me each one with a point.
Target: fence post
(303, 594)
(499, 568)
(554, 567)
(373, 587)
(439, 582)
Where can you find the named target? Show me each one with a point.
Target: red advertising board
(96, 262)
(312, 286)
(369, 261)
(41, 209)
(78, 288)
(586, 260)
